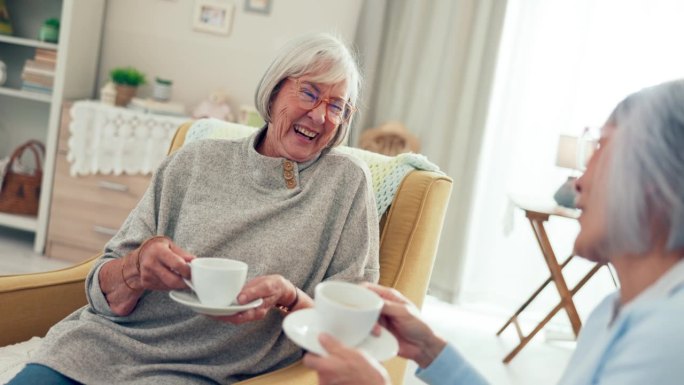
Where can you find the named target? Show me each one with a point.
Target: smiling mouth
(305, 133)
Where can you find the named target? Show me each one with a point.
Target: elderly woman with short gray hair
(632, 201)
(283, 200)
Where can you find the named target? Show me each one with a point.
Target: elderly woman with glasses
(632, 201)
(284, 201)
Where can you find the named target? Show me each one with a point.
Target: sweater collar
(269, 172)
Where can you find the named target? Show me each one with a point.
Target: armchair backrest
(409, 235)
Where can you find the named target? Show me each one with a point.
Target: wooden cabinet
(86, 211)
(33, 115)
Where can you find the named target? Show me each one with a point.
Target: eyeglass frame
(320, 100)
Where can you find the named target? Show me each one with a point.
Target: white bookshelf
(28, 115)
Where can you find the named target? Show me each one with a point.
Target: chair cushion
(387, 172)
(13, 358)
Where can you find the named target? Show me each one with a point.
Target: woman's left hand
(274, 290)
(344, 365)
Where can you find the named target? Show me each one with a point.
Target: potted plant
(126, 81)
(49, 31)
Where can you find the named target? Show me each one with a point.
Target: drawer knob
(107, 185)
(105, 230)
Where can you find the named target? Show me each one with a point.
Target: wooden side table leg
(537, 223)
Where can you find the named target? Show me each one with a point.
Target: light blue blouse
(641, 343)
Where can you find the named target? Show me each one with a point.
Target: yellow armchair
(409, 234)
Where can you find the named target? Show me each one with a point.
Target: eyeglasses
(587, 144)
(337, 110)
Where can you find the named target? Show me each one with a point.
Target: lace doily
(112, 140)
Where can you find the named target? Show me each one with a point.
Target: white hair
(322, 55)
(646, 171)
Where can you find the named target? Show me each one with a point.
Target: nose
(579, 183)
(317, 114)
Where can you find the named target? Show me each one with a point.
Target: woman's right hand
(416, 339)
(158, 264)
(163, 265)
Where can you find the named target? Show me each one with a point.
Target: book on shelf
(32, 87)
(46, 55)
(33, 64)
(43, 80)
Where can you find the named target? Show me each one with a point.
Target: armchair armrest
(35, 302)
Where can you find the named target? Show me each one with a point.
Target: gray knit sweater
(219, 198)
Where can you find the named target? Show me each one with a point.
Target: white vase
(161, 92)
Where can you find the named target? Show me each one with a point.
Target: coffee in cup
(347, 311)
(217, 281)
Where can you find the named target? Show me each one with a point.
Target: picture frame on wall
(258, 6)
(213, 16)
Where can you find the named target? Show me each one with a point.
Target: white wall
(156, 36)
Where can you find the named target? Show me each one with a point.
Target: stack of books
(39, 73)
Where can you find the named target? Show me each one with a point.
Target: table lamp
(573, 153)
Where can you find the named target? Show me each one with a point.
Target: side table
(538, 213)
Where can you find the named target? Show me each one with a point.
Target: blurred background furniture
(97, 170)
(537, 214)
(391, 138)
(30, 109)
(409, 234)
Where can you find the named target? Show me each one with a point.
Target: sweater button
(288, 174)
(288, 165)
(290, 183)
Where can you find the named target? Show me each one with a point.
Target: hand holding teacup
(347, 311)
(217, 281)
(274, 290)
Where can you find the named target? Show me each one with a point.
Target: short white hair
(322, 55)
(645, 172)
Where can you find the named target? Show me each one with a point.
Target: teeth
(305, 132)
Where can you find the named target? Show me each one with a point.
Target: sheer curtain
(563, 65)
(434, 73)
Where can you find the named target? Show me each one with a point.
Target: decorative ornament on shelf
(215, 107)
(3, 72)
(126, 81)
(5, 22)
(49, 31)
(161, 91)
(108, 94)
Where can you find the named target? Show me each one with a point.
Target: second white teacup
(346, 311)
(217, 281)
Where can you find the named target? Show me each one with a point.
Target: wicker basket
(20, 192)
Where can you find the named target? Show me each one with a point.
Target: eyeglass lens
(337, 109)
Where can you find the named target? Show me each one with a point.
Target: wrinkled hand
(400, 316)
(345, 366)
(163, 265)
(273, 289)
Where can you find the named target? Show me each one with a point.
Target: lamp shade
(573, 155)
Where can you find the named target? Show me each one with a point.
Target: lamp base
(565, 195)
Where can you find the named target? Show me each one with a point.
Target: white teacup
(217, 281)
(346, 311)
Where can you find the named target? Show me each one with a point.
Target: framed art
(213, 16)
(258, 6)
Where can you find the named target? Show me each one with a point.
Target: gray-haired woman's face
(298, 133)
(591, 199)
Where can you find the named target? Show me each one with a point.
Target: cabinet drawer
(69, 252)
(122, 191)
(85, 223)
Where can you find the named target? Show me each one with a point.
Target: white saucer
(301, 327)
(190, 300)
